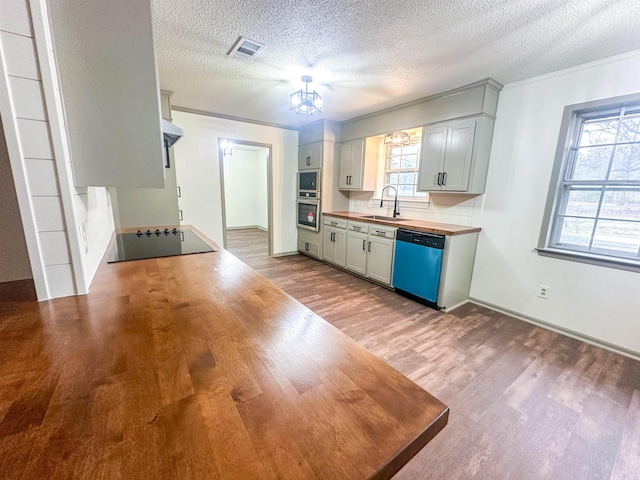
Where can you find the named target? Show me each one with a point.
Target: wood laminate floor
(525, 402)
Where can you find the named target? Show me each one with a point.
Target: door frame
(222, 141)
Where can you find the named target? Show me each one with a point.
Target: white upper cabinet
(310, 156)
(105, 55)
(455, 155)
(357, 166)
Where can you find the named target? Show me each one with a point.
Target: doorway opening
(245, 173)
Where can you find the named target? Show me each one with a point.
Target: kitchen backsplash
(457, 209)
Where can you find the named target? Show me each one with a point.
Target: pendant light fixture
(397, 138)
(304, 101)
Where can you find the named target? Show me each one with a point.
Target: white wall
(148, 207)
(14, 257)
(245, 188)
(198, 174)
(591, 300)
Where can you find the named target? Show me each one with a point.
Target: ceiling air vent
(246, 49)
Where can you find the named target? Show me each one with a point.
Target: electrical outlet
(543, 291)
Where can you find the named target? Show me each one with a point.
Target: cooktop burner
(156, 243)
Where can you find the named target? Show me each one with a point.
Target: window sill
(590, 258)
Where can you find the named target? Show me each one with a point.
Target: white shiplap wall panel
(42, 177)
(20, 56)
(34, 138)
(48, 214)
(28, 100)
(38, 184)
(14, 17)
(55, 248)
(60, 279)
(81, 207)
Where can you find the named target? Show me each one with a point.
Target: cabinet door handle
(179, 191)
(369, 248)
(439, 181)
(364, 242)
(181, 217)
(333, 236)
(308, 160)
(444, 178)
(306, 247)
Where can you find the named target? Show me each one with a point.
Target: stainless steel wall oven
(309, 214)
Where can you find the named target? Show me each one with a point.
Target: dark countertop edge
(420, 225)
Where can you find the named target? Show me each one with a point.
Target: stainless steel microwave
(309, 214)
(309, 184)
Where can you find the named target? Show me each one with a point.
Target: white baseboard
(248, 227)
(627, 352)
(285, 254)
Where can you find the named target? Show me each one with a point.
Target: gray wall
(14, 258)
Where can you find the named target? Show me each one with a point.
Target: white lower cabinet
(370, 251)
(309, 242)
(380, 259)
(335, 245)
(357, 252)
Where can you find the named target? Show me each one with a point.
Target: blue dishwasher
(417, 265)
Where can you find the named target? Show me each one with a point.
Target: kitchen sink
(386, 219)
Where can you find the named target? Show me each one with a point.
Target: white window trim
(567, 134)
(386, 171)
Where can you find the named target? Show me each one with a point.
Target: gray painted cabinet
(455, 155)
(358, 164)
(370, 250)
(334, 245)
(380, 252)
(310, 156)
(357, 252)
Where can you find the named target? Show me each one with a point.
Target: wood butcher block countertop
(197, 367)
(419, 225)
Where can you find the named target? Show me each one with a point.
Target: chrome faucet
(396, 212)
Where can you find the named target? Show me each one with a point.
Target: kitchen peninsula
(195, 366)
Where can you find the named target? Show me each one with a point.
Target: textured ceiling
(368, 55)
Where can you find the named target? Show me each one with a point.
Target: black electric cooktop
(156, 243)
